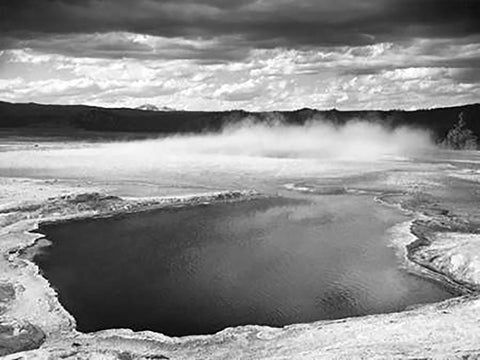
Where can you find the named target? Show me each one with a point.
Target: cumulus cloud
(251, 54)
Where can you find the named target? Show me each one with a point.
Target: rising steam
(356, 140)
(244, 152)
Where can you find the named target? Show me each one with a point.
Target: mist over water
(244, 155)
(358, 140)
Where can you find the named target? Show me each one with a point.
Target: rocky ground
(445, 246)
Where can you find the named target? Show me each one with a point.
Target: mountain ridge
(151, 107)
(21, 116)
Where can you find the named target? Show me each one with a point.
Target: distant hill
(150, 107)
(71, 118)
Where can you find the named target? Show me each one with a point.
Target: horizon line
(241, 110)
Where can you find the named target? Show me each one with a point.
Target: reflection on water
(198, 270)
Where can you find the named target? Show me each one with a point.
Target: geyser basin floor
(200, 269)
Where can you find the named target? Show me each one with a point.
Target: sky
(241, 54)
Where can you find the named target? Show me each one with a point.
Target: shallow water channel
(200, 269)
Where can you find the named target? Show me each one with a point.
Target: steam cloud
(358, 140)
(245, 152)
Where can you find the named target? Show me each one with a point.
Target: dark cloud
(260, 23)
(465, 65)
(467, 76)
(122, 45)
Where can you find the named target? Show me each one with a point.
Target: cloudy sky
(250, 54)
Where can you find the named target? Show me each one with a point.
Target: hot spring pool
(200, 269)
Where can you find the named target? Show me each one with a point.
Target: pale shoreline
(35, 317)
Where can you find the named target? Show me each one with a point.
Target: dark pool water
(197, 270)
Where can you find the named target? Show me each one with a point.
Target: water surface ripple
(197, 270)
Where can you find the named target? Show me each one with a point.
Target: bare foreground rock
(34, 325)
